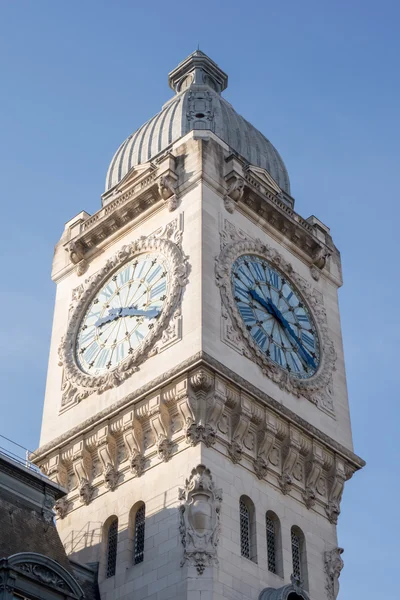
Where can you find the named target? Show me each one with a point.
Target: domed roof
(198, 104)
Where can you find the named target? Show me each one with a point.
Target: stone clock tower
(196, 406)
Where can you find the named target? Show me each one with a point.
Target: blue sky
(320, 79)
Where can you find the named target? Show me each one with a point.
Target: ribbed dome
(198, 104)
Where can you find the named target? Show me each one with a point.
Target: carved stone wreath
(78, 385)
(309, 388)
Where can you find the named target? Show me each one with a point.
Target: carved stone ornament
(333, 566)
(61, 507)
(111, 476)
(78, 385)
(85, 491)
(200, 519)
(234, 193)
(309, 388)
(166, 188)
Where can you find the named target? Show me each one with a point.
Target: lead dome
(198, 104)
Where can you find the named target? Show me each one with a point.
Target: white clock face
(122, 314)
(276, 316)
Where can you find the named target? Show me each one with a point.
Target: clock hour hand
(130, 311)
(267, 304)
(273, 310)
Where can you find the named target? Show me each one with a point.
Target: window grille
(139, 535)
(244, 530)
(296, 558)
(271, 544)
(112, 548)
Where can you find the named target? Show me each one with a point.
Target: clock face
(122, 314)
(276, 316)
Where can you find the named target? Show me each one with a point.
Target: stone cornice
(256, 194)
(141, 189)
(196, 360)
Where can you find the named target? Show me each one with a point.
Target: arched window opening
(112, 543)
(138, 544)
(296, 555)
(271, 543)
(299, 559)
(247, 529)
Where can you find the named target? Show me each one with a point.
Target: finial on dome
(198, 69)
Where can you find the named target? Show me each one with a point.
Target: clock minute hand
(308, 358)
(130, 311)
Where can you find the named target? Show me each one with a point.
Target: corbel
(82, 465)
(265, 442)
(234, 192)
(76, 251)
(167, 180)
(107, 453)
(292, 447)
(132, 434)
(177, 398)
(241, 420)
(201, 383)
(336, 480)
(160, 426)
(56, 470)
(313, 466)
(319, 261)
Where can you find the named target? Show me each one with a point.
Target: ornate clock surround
(78, 385)
(312, 387)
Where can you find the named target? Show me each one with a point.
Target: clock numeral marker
(307, 339)
(278, 355)
(154, 274)
(242, 291)
(101, 360)
(247, 314)
(243, 272)
(87, 337)
(258, 271)
(124, 276)
(260, 338)
(91, 352)
(273, 278)
(302, 318)
(107, 291)
(158, 289)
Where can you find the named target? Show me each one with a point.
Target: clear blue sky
(320, 78)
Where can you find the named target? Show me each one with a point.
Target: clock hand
(273, 310)
(130, 311)
(267, 304)
(286, 325)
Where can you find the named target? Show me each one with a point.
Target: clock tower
(196, 405)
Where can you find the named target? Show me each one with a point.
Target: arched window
(112, 543)
(274, 546)
(139, 530)
(299, 560)
(247, 529)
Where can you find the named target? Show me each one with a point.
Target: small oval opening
(200, 115)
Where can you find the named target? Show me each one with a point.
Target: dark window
(271, 543)
(112, 543)
(296, 554)
(139, 534)
(244, 529)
